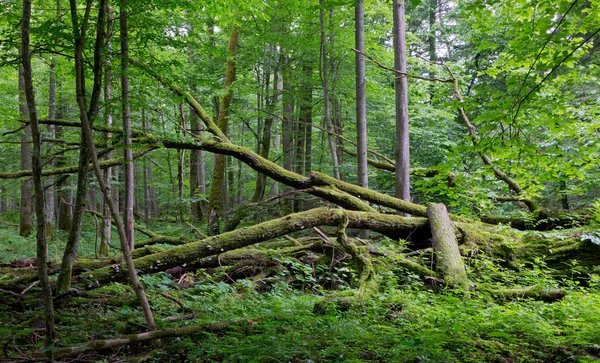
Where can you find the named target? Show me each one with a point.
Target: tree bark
(25, 217)
(49, 188)
(108, 175)
(326, 97)
(262, 232)
(86, 126)
(265, 142)
(64, 210)
(36, 163)
(287, 128)
(361, 96)
(197, 178)
(445, 245)
(126, 115)
(215, 203)
(64, 277)
(402, 153)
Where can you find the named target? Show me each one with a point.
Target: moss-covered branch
(104, 164)
(193, 251)
(100, 344)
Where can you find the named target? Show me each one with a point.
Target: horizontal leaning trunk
(210, 246)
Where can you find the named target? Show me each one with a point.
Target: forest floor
(303, 314)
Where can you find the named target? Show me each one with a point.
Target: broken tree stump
(449, 260)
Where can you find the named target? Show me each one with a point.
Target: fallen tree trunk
(193, 251)
(100, 344)
(537, 292)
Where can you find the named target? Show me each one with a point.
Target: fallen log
(536, 292)
(193, 251)
(101, 344)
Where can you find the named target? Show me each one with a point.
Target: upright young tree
(85, 112)
(402, 154)
(361, 96)
(108, 172)
(49, 188)
(25, 217)
(287, 127)
(197, 175)
(326, 99)
(126, 114)
(270, 96)
(36, 163)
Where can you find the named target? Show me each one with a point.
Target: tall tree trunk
(64, 278)
(300, 136)
(86, 117)
(402, 154)
(361, 95)
(63, 204)
(218, 178)
(265, 140)
(197, 176)
(36, 162)
(306, 108)
(361, 100)
(326, 99)
(50, 200)
(25, 217)
(126, 114)
(287, 127)
(3, 200)
(108, 172)
(180, 163)
(64, 210)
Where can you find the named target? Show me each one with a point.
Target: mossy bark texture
(214, 245)
(445, 245)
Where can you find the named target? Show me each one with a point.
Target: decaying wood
(101, 344)
(537, 292)
(190, 252)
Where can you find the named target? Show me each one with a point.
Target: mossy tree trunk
(215, 203)
(445, 245)
(190, 252)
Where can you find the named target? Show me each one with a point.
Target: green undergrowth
(309, 312)
(404, 322)
(14, 247)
